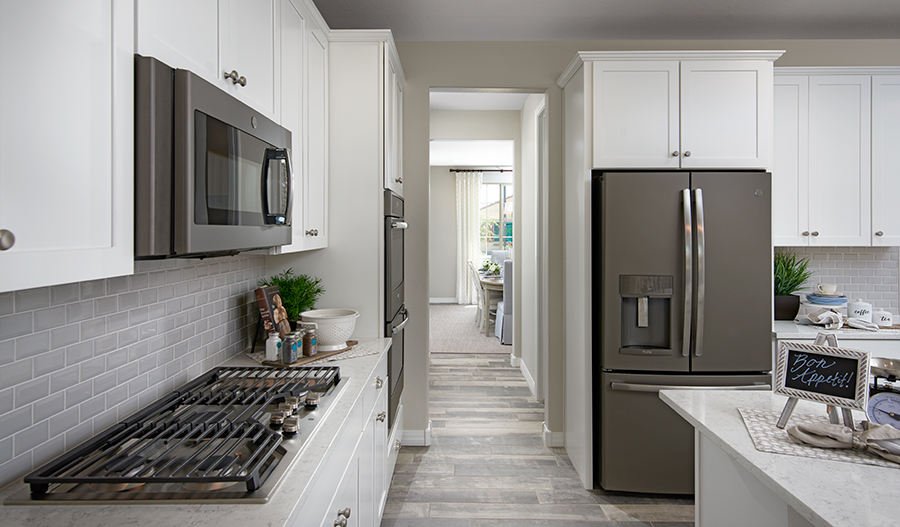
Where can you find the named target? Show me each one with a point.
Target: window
(496, 214)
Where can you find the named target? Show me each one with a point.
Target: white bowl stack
(334, 327)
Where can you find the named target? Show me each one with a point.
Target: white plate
(817, 293)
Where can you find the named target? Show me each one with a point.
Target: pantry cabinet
(304, 103)
(233, 44)
(680, 109)
(831, 180)
(66, 142)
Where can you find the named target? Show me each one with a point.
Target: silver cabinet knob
(379, 382)
(340, 522)
(815, 233)
(687, 153)
(877, 233)
(675, 153)
(381, 417)
(345, 513)
(236, 78)
(397, 444)
(806, 233)
(7, 239)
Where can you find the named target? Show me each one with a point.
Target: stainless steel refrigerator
(682, 297)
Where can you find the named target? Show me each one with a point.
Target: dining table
(491, 285)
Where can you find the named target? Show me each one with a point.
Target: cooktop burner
(228, 436)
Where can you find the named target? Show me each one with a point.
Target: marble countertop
(788, 329)
(827, 493)
(279, 511)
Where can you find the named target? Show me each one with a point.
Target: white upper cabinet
(885, 160)
(214, 38)
(680, 109)
(393, 127)
(836, 176)
(304, 59)
(66, 141)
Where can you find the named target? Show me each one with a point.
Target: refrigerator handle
(688, 272)
(653, 388)
(701, 271)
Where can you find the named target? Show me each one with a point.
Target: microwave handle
(281, 217)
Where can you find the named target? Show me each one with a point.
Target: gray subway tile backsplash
(77, 358)
(867, 273)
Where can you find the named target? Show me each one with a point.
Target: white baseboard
(417, 437)
(552, 439)
(515, 362)
(442, 300)
(528, 378)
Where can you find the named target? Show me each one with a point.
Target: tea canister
(884, 319)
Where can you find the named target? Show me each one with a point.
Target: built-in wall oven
(212, 175)
(395, 313)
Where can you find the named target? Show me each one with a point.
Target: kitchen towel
(882, 440)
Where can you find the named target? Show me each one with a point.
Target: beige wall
(537, 65)
(459, 125)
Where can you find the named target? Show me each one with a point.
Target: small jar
(273, 346)
(309, 341)
(289, 350)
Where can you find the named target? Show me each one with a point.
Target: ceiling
(511, 20)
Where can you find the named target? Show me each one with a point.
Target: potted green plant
(790, 274)
(299, 293)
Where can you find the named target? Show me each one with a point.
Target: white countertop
(827, 493)
(290, 494)
(788, 329)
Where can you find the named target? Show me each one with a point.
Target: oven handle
(399, 327)
(399, 225)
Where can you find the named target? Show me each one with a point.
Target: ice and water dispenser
(646, 314)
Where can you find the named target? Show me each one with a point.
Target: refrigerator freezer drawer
(643, 445)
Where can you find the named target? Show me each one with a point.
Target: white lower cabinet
(352, 485)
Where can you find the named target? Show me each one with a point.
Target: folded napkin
(827, 317)
(883, 440)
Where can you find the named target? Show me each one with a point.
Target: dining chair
(503, 325)
(476, 284)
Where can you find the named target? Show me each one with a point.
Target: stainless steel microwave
(212, 176)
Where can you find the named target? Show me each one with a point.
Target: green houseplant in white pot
(790, 275)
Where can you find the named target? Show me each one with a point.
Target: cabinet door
(636, 115)
(790, 170)
(726, 114)
(346, 498)
(380, 438)
(248, 36)
(293, 109)
(316, 230)
(181, 34)
(885, 160)
(66, 141)
(368, 488)
(839, 160)
(392, 176)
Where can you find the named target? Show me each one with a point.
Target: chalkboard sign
(835, 376)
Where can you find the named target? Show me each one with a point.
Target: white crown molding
(371, 35)
(837, 70)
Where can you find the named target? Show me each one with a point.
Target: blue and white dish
(826, 300)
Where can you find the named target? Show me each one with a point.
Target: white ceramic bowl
(334, 327)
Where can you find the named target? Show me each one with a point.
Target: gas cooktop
(229, 436)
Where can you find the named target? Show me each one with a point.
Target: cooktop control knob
(291, 426)
(276, 419)
(312, 400)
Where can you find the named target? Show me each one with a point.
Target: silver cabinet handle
(805, 233)
(701, 271)
(675, 153)
(688, 272)
(379, 382)
(398, 180)
(687, 153)
(7, 239)
(877, 233)
(312, 232)
(236, 78)
(345, 513)
(629, 387)
(381, 417)
(815, 233)
(397, 444)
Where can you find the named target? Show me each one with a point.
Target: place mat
(352, 351)
(769, 438)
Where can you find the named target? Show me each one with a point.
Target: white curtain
(468, 188)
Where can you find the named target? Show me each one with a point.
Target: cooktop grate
(208, 435)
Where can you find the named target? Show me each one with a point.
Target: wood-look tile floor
(487, 465)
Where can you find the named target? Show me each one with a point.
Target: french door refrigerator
(682, 298)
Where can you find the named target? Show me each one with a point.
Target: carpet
(453, 330)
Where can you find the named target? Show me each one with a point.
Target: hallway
(487, 465)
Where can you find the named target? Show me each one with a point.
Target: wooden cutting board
(306, 360)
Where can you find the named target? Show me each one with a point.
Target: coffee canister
(860, 309)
